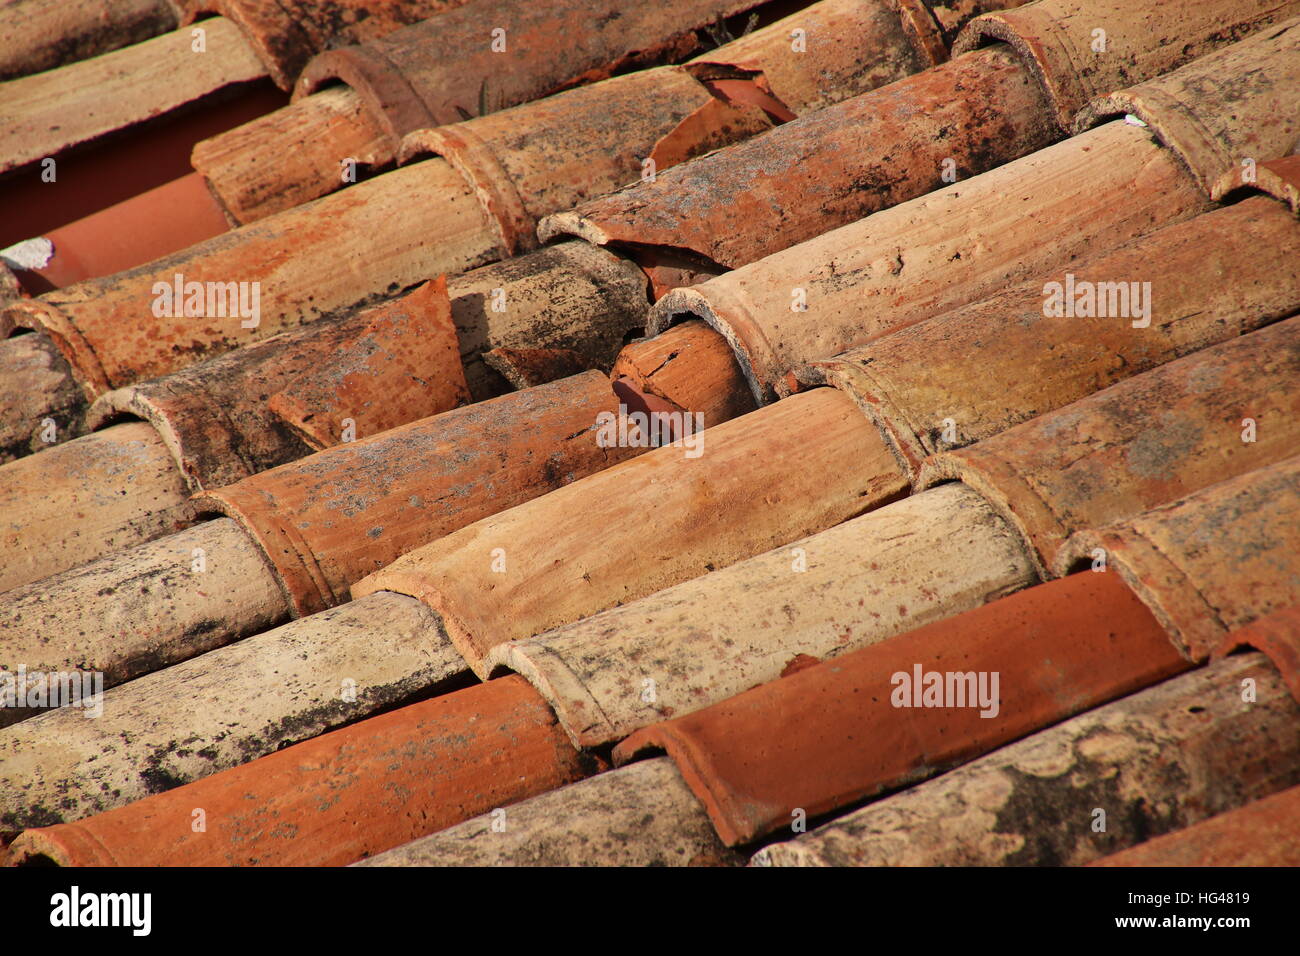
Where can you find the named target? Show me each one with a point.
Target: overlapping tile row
(1142, 446)
(520, 164)
(484, 57)
(984, 108)
(961, 244)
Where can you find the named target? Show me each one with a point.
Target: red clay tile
(327, 521)
(1278, 636)
(131, 233)
(835, 733)
(1163, 758)
(691, 368)
(285, 34)
(141, 609)
(1279, 178)
(952, 247)
(404, 366)
(340, 797)
(571, 294)
(580, 143)
(1202, 587)
(918, 560)
(40, 35)
(1056, 38)
(581, 549)
(877, 150)
(441, 70)
(36, 385)
(1262, 833)
(384, 366)
(118, 330)
(1148, 440)
(127, 483)
(997, 363)
(445, 70)
(71, 503)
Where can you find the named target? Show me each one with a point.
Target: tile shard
(835, 733)
(405, 365)
(1200, 585)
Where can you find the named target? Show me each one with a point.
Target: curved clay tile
(1148, 440)
(47, 114)
(643, 815)
(217, 431)
(1058, 39)
(921, 559)
(1278, 636)
(340, 253)
(141, 609)
(243, 701)
(40, 35)
(447, 70)
(1155, 761)
(298, 536)
(581, 549)
(1257, 77)
(954, 380)
(1199, 583)
(982, 109)
(846, 729)
(327, 521)
(285, 34)
(337, 798)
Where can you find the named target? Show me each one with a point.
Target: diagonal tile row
(913, 441)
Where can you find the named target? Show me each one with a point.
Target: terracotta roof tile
(339, 797)
(1199, 592)
(832, 734)
(643, 815)
(1155, 761)
(878, 149)
(748, 608)
(43, 34)
(285, 34)
(49, 113)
